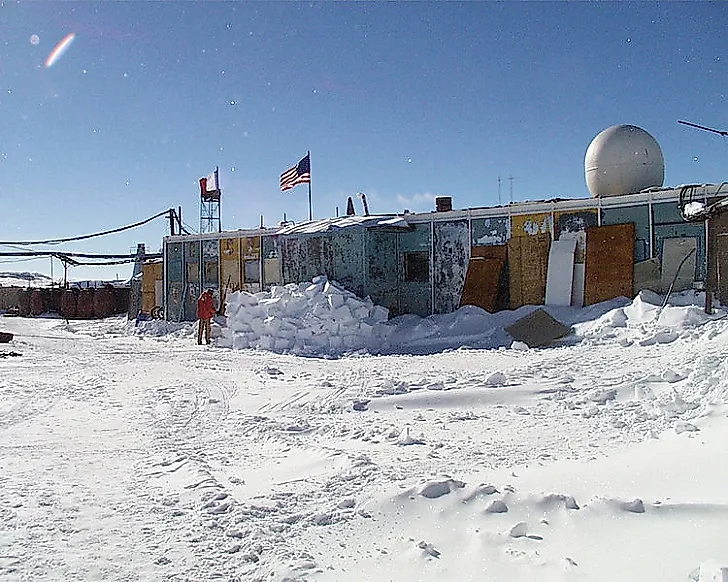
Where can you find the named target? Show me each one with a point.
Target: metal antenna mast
(704, 128)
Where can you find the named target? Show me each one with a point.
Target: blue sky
(403, 101)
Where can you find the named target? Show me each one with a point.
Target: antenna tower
(210, 192)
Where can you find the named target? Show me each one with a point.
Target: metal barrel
(85, 305)
(24, 302)
(104, 301)
(38, 301)
(54, 299)
(69, 301)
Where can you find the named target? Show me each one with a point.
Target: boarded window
(417, 266)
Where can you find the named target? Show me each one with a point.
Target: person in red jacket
(205, 311)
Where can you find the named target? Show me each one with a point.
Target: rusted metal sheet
(490, 231)
(450, 262)
(528, 264)
(531, 224)
(481, 283)
(320, 256)
(294, 255)
(348, 249)
(382, 283)
(573, 225)
(609, 265)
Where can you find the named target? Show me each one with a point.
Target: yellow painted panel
(531, 224)
(229, 249)
(251, 247)
(230, 274)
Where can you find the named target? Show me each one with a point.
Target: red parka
(205, 306)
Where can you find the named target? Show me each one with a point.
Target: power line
(56, 241)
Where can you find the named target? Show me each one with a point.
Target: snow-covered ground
(132, 453)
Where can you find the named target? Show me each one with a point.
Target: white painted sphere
(623, 159)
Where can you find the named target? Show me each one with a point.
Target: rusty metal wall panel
(528, 264)
(450, 262)
(490, 231)
(414, 297)
(609, 265)
(320, 257)
(382, 282)
(574, 225)
(531, 224)
(294, 254)
(348, 248)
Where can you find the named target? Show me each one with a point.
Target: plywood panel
(528, 265)
(491, 252)
(718, 256)
(482, 282)
(609, 266)
(560, 276)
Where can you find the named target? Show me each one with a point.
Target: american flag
(298, 174)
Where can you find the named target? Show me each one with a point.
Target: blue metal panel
(381, 247)
(450, 261)
(640, 216)
(348, 248)
(191, 290)
(414, 297)
(490, 231)
(175, 280)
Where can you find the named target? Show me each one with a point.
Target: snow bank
(317, 318)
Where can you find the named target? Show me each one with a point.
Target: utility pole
(499, 190)
(510, 179)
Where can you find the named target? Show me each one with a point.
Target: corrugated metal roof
(328, 224)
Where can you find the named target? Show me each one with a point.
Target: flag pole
(310, 208)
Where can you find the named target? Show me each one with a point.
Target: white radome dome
(623, 159)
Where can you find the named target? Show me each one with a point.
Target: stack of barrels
(74, 303)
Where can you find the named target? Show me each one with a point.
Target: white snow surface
(131, 453)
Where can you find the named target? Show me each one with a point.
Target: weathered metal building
(417, 263)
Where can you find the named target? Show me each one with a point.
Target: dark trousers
(204, 326)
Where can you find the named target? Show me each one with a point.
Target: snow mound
(316, 318)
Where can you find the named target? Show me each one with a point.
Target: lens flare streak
(60, 48)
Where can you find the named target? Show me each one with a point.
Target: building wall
(419, 270)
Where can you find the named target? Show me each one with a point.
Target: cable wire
(56, 241)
